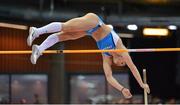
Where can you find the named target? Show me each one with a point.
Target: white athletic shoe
(35, 54)
(31, 36)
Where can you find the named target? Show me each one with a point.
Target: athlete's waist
(104, 37)
(101, 33)
(110, 39)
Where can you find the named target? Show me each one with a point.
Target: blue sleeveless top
(106, 43)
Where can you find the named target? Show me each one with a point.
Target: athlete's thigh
(63, 36)
(77, 35)
(83, 23)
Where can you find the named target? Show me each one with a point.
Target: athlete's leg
(59, 37)
(51, 40)
(36, 32)
(84, 23)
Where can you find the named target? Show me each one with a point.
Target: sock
(50, 28)
(50, 41)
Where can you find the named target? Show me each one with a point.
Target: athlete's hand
(146, 87)
(126, 93)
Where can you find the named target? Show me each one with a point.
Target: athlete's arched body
(103, 34)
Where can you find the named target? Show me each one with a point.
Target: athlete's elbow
(109, 77)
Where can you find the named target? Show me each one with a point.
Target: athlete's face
(118, 60)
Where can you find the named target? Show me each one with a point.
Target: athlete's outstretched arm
(132, 66)
(134, 71)
(107, 62)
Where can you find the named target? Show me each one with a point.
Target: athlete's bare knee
(63, 26)
(59, 35)
(64, 37)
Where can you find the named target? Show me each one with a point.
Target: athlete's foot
(35, 54)
(31, 36)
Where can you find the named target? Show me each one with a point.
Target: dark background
(163, 70)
